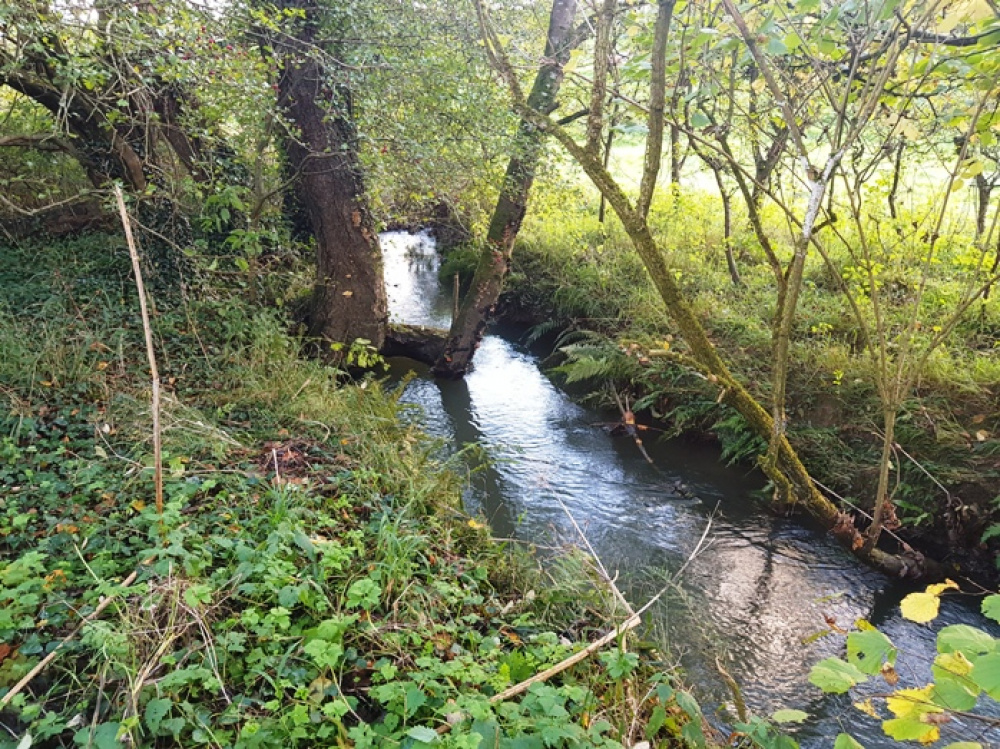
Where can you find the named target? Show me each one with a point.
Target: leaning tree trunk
(349, 299)
(782, 466)
(470, 323)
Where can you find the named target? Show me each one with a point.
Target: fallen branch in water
(631, 428)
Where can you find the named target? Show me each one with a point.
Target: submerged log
(417, 342)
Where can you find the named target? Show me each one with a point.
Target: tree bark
(349, 299)
(469, 325)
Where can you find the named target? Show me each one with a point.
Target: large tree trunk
(470, 323)
(349, 299)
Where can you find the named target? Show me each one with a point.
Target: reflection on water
(753, 597)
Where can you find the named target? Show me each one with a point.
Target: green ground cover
(312, 580)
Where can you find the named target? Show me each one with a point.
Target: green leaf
(991, 607)
(776, 46)
(619, 664)
(953, 689)
(689, 705)
(846, 741)
(789, 716)
(700, 120)
(156, 709)
(364, 593)
(835, 676)
(986, 674)
(869, 649)
(105, 736)
(656, 721)
(423, 734)
(910, 728)
(415, 699)
(693, 735)
(964, 745)
(969, 640)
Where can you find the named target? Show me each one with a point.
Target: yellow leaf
(864, 625)
(317, 689)
(912, 702)
(923, 607)
(47, 383)
(348, 293)
(920, 607)
(931, 736)
(475, 524)
(101, 366)
(954, 663)
(939, 588)
(867, 708)
(138, 505)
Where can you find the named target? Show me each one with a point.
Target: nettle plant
(966, 667)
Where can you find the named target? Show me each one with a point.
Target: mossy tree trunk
(349, 298)
(477, 306)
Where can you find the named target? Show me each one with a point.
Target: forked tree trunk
(469, 325)
(349, 299)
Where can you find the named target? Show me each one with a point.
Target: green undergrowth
(312, 579)
(587, 288)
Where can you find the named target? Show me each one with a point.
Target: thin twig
(150, 353)
(631, 623)
(604, 570)
(17, 688)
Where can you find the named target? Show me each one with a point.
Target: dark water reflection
(755, 594)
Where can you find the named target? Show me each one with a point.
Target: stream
(758, 591)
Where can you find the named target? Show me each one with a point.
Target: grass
(313, 580)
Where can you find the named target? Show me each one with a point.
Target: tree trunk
(470, 324)
(349, 299)
(984, 188)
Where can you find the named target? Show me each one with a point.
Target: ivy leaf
(789, 716)
(846, 741)
(835, 676)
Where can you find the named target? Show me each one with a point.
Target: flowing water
(754, 596)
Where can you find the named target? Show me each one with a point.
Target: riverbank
(312, 579)
(580, 284)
